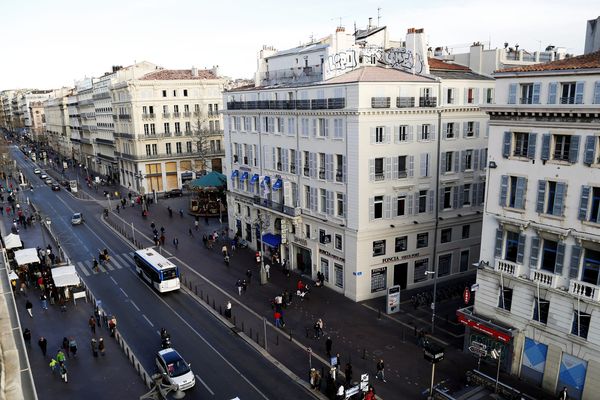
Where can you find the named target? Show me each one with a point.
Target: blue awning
(277, 184)
(235, 174)
(265, 181)
(254, 178)
(244, 176)
(271, 240)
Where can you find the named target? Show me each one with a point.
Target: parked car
(174, 369)
(174, 193)
(49, 181)
(77, 219)
(55, 187)
(63, 183)
(37, 171)
(43, 176)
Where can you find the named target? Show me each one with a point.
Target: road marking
(113, 279)
(109, 266)
(123, 292)
(82, 267)
(147, 320)
(134, 305)
(205, 385)
(123, 262)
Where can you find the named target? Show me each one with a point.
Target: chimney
(340, 29)
(194, 71)
(215, 70)
(369, 27)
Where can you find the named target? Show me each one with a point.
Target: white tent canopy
(26, 256)
(11, 241)
(13, 275)
(65, 276)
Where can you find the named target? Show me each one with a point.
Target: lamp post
(261, 220)
(496, 354)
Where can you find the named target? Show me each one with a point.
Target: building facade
(58, 131)
(539, 295)
(373, 177)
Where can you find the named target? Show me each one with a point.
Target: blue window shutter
(443, 163)
(574, 265)
(560, 258)
(597, 92)
(536, 92)
(583, 202)
(590, 150)
(475, 160)
(499, 239)
(503, 190)
(579, 92)
(520, 193)
(574, 149)
(371, 209)
(441, 199)
(372, 169)
(559, 198)
(521, 248)
(456, 160)
(512, 93)
(506, 144)
(552, 88)
(535, 250)
(546, 146)
(531, 146)
(541, 196)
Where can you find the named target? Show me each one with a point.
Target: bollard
(364, 356)
(277, 340)
(196, 290)
(379, 314)
(250, 331)
(290, 335)
(220, 311)
(243, 330)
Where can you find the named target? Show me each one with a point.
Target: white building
(539, 276)
(58, 129)
(75, 128)
(340, 155)
(87, 118)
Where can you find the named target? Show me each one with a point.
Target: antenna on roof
(378, 16)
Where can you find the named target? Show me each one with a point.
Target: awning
(234, 174)
(254, 178)
(26, 256)
(266, 180)
(277, 184)
(11, 241)
(65, 276)
(13, 276)
(490, 328)
(271, 240)
(244, 176)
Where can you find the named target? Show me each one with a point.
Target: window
(378, 279)
(505, 298)
(403, 133)
(188, 147)
(379, 175)
(174, 93)
(469, 129)
(178, 147)
(340, 204)
(188, 127)
(304, 127)
(521, 144)
(401, 205)
(167, 127)
(422, 201)
(450, 96)
(402, 172)
(448, 165)
(422, 240)
(470, 95)
(567, 93)
(425, 131)
(185, 92)
(551, 197)
(152, 129)
(323, 200)
(378, 248)
(146, 129)
(447, 198)
(468, 160)
(446, 235)
(322, 128)
(164, 93)
(148, 151)
(401, 244)
(512, 246)
(591, 267)
(154, 149)
(466, 231)
(540, 310)
(177, 127)
(489, 96)
(444, 265)
(562, 145)
(450, 130)
(339, 275)
(307, 197)
(549, 255)
(420, 267)
(512, 191)
(176, 109)
(338, 241)
(380, 134)
(590, 200)
(307, 230)
(339, 168)
(581, 324)
(168, 148)
(378, 207)
(338, 128)
(464, 261)
(527, 93)
(466, 199)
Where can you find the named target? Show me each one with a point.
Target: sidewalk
(360, 334)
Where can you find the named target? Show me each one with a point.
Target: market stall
(26, 256)
(12, 241)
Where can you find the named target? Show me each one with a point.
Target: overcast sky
(48, 44)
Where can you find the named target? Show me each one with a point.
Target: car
(63, 183)
(43, 176)
(49, 181)
(37, 171)
(55, 187)
(77, 219)
(174, 193)
(174, 369)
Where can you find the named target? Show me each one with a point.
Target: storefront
(302, 260)
(332, 268)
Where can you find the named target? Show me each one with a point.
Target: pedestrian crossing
(117, 261)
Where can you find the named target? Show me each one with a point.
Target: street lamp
(261, 220)
(496, 354)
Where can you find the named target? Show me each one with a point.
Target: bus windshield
(169, 273)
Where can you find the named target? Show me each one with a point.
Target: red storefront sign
(467, 295)
(503, 337)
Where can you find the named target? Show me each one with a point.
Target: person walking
(65, 346)
(73, 346)
(29, 307)
(318, 328)
(63, 372)
(224, 250)
(277, 316)
(244, 285)
(181, 213)
(249, 276)
(162, 239)
(190, 232)
(348, 373)
(205, 240)
(92, 324)
(228, 310)
(268, 270)
(44, 301)
(27, 336)
(101, 347)
(328, 346)
(563, 395)
(380, 371)
(94, 347)
(238, 284)
(176, 243)
(43, 343)
(196, 224)
(60, 357)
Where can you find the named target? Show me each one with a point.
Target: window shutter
(483, 159)
(499, 239)
(536, 93)
(298, 162)
(512, 93)
(445, 129)
(314, 199)
(456, 155)
(371, 209)
(312, 165)
(541, 196)
(274, 158)
(503, 190)
(506, 144)
(475, 159)
(314, 127)
(583, 202)
(326, 125)
(345, 172)
(579, 92)
(574, 149)
(476, 96)
(521, 248)
(432, 131)
(535, 250)
(520, 193)
(466, 96)
(531, 146)
(424, 162)
(329, 202)
(476, 127)
(372, 135)
(465, 128)
(574, 264)
(284, 160)
(441, 199)
(430, 200)
(387, 204)
(396, 134)
(481, 193)
(546, 146)
(387, 169)
(552, 87)
(461, 194)
(455, 194)
(388, 134)
(443, 163)
(410, 210)
(463, 160)
(372, 169)
(559, 199)
(394, 167)
(597, 92)
(250, 156)
(560, 258)
(590, 150)
(411, 166)
(409, 133)
(329, 167)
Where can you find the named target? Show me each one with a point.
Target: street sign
(478, 351)
(474, 287)
(467, 295)
(433, 353)
(393, 299)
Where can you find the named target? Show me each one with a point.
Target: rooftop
(178, 74)
(377, 74)
(585, 61)
(448, 70)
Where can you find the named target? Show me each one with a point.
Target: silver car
(77, 219)
(174, 369)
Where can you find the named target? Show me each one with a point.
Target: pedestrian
(28, 307)
(181, 213)
(170, 210)
(267, 270)
(328, 345)
(53, 365)
(196, 224)
(370, 394)
(44, 301)
(118, 209)
(94, 347)
(318, 328)
(233, 243)
(563, 395)
(176, 243)
(340, 394)
(249, 276)
(277, 316)
(153, 226)
(112, 325)
(73, 346)
(224, 250)
(101, 347)
(348, 373)
(162, 229)
(162, 239)
(244, 285)
(63, 372)
(190, 233)
(380, 371)
(27, 336)
(205, 240)
(65, 346)
(228, 310)
(43, 343)
(238, 284)
(60, 357)
(92, 324)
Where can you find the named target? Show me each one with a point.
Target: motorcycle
(242, 244)
(165, 339)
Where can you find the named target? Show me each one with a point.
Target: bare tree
(201, 134)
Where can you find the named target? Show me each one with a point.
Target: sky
(49, 44)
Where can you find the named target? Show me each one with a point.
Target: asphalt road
(225, 366)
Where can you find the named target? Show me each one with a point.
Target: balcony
(544, 278)
(380, 102)
(187, 114)
(318, 104)
(166, 115)
(585, 290)
(333, 103)
(526, 100)
(125, 117)
(148, 116)
(567, 100)
(405, 102)
(278, 207)
(427, 101)
(157, 156)
(302, 104)
(336, 103)
(379, 176)
(178, 133)
(507, 267)
(175, 115)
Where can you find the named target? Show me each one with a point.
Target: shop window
(378, 248)
(505, 298)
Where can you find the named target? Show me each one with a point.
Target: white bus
(161, 273)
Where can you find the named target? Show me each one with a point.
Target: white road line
(123, 292)
(83, 268)
(205, 385)
(123, 262)
(113, 279)
(109, 266)
(134, 305)
(147, 320)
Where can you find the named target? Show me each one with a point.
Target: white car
(174, 369)
(77, 219)
(48, 181)
(37, 171)
(43, 176)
